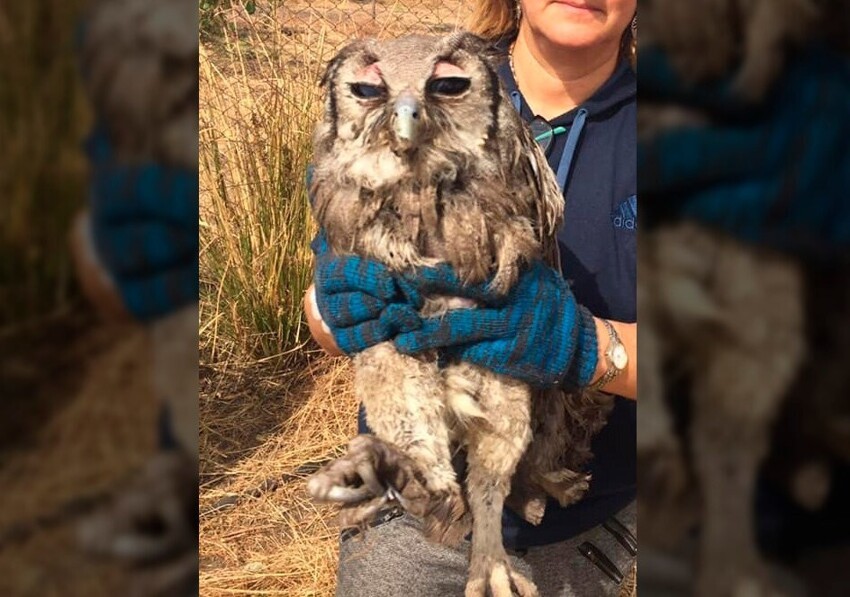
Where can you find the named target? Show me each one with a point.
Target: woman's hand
(355, 303)
(95, 282)
(318, 328)
(769, 173)
(537, 333)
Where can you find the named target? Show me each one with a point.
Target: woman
(569, 64)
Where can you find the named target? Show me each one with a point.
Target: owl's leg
(529, 490)
(662, 468)
(405, 400)
(565, 485)
(409, 456)
(737, 393)
(493, 454)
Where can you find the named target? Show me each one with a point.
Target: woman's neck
(553, 80)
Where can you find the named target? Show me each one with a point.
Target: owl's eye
(448, 85)
(366, 91)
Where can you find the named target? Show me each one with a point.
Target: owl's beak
(406, 121)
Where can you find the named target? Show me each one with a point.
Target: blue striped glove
(775, 174)
(364, 303)
(145, 228)
(537, 333)
(360, 300)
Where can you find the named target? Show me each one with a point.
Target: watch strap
(611, 371)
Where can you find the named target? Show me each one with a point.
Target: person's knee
(395, 559)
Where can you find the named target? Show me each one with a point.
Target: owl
(139, 60)
(421, 159)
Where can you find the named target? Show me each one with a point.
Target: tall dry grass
(43, 118)
(259, 106)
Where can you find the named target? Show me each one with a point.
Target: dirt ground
(77, 418)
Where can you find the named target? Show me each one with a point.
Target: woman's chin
(572, 37)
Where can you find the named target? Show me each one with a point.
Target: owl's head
(411, 92)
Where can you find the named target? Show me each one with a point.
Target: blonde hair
(499, 19)
(494, 19)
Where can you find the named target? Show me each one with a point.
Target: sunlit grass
(257, 119)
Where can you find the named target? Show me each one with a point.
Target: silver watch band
(611, 371)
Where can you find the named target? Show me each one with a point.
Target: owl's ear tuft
(469, 42)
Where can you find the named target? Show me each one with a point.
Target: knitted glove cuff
(586, 353)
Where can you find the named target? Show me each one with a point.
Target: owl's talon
(370, 479)
(394, 495)
(359, 515)
(348, 495)
(498, 579)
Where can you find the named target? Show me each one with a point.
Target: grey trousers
(393, 559)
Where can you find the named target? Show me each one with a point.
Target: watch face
(619, 357)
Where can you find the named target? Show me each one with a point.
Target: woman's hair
(499, 19)
(494, 19)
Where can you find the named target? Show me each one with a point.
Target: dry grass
(43, 118)
(256, 125)
(261, 436)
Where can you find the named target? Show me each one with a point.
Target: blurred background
(66, 434)
(744, 429)
(744, 271)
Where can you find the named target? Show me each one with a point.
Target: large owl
(421, 158)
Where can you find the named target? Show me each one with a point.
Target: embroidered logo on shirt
(625, 216)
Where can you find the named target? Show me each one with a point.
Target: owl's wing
(545, 194)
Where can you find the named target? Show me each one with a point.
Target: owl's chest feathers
(403, 225)
(409, 214)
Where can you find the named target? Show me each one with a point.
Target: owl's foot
(374, 474)
(153, 527)
(496, 577)
(447, 519)
(530, 507)
(566, 486)
(154, 519)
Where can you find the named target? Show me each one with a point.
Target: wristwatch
(615, 355)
